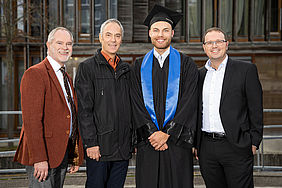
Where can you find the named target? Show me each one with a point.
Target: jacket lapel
(227, 79)
(203, 72)
(202, 75)
(54, 79)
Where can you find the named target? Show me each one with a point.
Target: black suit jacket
(240, 108)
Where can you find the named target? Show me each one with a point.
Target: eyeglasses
(217, 42)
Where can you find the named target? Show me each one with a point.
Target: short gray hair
(52, 33)
(112, 20)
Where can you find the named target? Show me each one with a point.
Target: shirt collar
(221, 66)
(163, 56)
(55, 65)
(108, 58)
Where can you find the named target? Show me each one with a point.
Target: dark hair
(214, 29)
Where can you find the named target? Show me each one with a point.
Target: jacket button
(68, 132)
(68, 116)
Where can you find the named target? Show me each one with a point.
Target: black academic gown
(172, 168)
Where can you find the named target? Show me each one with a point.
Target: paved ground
(197, 186)
(262, 180)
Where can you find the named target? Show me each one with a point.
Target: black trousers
(222, 166)
(105, 174)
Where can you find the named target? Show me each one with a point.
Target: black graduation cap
(160, 13)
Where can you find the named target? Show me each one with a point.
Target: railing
(10, 112)
(260, 153)
(8, 153)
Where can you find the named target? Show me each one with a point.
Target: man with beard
(50, 138)
(164, 99)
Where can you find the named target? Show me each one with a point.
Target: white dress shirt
(161, 58)
(211, 97)
(56, 67)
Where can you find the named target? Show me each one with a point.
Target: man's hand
(73, 169)
(158, 139)
(254, 149)
(41, 170)
(163, 147)
(93, 153)
(195, 152)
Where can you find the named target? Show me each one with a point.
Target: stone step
(261, 179)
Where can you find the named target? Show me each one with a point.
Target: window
(20, 14)
(35, 17)
(1, 17)
(100, 14)
(177, 5)
(209, 5)
(6, 101)
(275, 22)
(274, 16)
(194, 10)
(84, 17)
(113, 9)
(20, 72)
(225, 16)
(104, 10)
(53, 18)
(69, 14)
(242, 13)
(259, 15)
(242, 20)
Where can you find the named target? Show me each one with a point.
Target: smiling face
(111, 39)
(216, 52)
(161, 34)
(60, 48)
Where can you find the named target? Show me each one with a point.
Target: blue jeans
(105, 174)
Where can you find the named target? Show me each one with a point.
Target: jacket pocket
(103, 116)
(105, 140)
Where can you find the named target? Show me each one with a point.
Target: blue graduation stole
(172, 87)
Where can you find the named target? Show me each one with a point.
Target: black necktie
(74, 134)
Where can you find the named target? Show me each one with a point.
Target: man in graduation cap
(164, 99)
